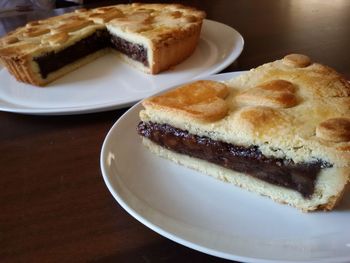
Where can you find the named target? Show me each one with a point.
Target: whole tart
(281, 130)
(150, 37)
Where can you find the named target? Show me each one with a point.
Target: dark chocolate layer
(249, 160)
(132, 50)
(53, 61)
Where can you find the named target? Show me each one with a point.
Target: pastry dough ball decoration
(297, 60)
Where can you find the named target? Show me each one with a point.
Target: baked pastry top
(152, 27)
(290, 110)
(291, 113)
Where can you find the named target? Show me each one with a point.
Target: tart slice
(281, 130)
(151, 37)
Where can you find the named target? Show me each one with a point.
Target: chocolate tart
(150, 37)
(281, 130)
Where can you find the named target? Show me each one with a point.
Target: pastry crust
(169, 33)
(297, 111)
(202, 100)
(279, 129)
(328, 190)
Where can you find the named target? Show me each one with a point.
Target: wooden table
(54, 205)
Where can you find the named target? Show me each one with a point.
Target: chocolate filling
(53, 61)
(249, 160)
(134, 51)
(101, 39)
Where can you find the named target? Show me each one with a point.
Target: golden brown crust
(104, 16)
(297, 60)
(334, 129)
(54, 39)
(275, 93)
(71, 27)
(158, 27)
(283, 109)
(202, 100)
(261, 120)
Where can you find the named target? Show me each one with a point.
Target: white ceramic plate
(211, 216)
(107, 83)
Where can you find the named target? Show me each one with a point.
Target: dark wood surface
(54, 205)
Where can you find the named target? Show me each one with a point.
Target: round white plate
(108, 83)
(211, 216)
